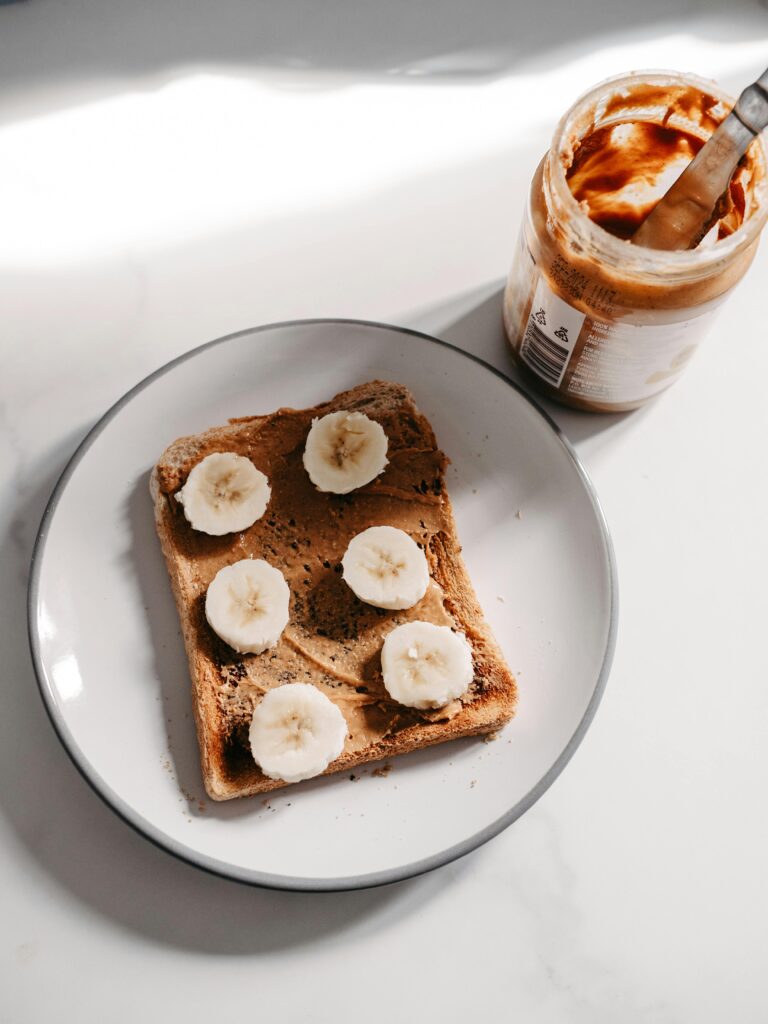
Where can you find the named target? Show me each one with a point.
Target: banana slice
(296, 731)
(426, 666)
(344, 450)
(247, 605)
(224, 493)
(386, 568)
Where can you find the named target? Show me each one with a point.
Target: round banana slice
(224, 493)
(247, 605)
(386, 568)
(426, 666)
(296, 731)
(344, 450)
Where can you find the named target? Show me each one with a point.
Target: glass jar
(594, 321)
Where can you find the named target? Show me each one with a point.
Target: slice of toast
(332, 640)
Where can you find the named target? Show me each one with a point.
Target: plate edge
(265, 879)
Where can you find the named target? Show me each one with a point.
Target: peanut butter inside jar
(595, 321)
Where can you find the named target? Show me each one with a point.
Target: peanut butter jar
(594, 321)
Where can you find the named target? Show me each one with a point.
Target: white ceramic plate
(111, 664)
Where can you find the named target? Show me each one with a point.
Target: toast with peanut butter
(332, 640)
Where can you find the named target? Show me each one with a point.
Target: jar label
(607, 361)
(551, 334)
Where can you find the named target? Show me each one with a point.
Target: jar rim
(620, 253)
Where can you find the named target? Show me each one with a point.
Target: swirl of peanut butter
(620, 170)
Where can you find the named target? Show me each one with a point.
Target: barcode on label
(544, 355)
(551, 334)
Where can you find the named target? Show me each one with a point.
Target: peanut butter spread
(617, 159)
(332, 640)
(595, 321)
(619, 170)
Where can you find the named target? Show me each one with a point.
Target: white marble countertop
(170, 173)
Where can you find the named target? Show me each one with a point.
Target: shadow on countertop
(473, 322)
(43, 43)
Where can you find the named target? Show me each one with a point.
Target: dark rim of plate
(265, 879)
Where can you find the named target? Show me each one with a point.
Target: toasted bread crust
(220, 708)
